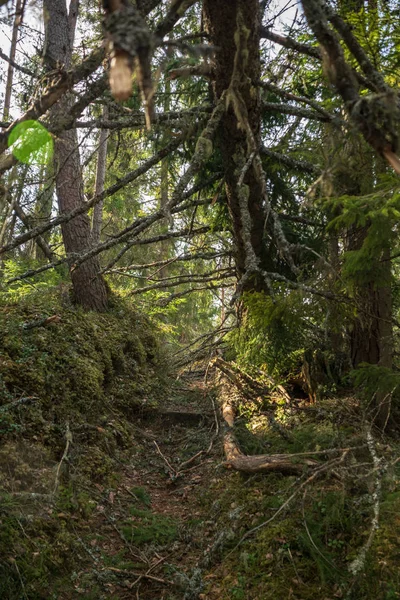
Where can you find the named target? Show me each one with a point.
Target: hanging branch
(266, 85)
(137, 119)
(298, 111)
(158, 238)
(145, 222)
(175, 12)
(290, 43)
(80, 259)
(292, 163)
(15, 65)
(346, 32)
(172, 297)
(180, 258)
(67, 121)
(377, 116)
(203, 151)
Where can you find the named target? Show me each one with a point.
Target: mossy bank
(72, 385)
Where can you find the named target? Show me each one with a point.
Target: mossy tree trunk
(234, 29)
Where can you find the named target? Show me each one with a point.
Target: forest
(199, 299)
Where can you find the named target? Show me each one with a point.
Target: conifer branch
(85, 207)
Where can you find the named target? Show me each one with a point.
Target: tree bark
(100, 178)
(234, 30)
(10, 71)
(89, 288)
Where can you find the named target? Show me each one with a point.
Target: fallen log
(262, 463)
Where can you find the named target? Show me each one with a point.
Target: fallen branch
(68, 437)
(264, 463)
(358, 564)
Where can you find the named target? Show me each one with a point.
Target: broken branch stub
(131, 43)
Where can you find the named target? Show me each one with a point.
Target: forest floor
(148, 533)
(114, 486)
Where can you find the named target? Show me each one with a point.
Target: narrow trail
(148, 533)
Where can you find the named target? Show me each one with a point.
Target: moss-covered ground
(103, 495)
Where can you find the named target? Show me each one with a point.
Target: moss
(91, 372)
(146, 527)
(89, 354)
(204, 147)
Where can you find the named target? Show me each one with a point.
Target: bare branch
(180, 258)
(217, 276)
(290, 43)
(176, 11)
(266, 85)
(298, 111)
(292, 163)
(16, 65)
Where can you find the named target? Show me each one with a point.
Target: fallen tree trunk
(235, 459)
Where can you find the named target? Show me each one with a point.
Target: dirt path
(147, 534)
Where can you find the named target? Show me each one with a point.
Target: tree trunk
(89, 288)
(42, 211)
(371, 331)
(371, 335)
(10, 71)
(231, 25)
(100, 178)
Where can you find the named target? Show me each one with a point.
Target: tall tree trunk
(233, 28)
(100, 178)
(164, 187)
(89, 288)
(371, 335)
(371, 330)
(10, 71)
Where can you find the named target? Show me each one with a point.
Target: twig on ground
(358, 564)
(139, 576)
(68, 437)
(15, 403)
(318, 471)
(171, 469)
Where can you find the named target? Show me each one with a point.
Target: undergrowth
(305, 551)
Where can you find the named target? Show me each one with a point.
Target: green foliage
(142, 495)
(271, 335)
(20, 289)
(374, 379)
(85, 370)
(377, 214)
(89, 353)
